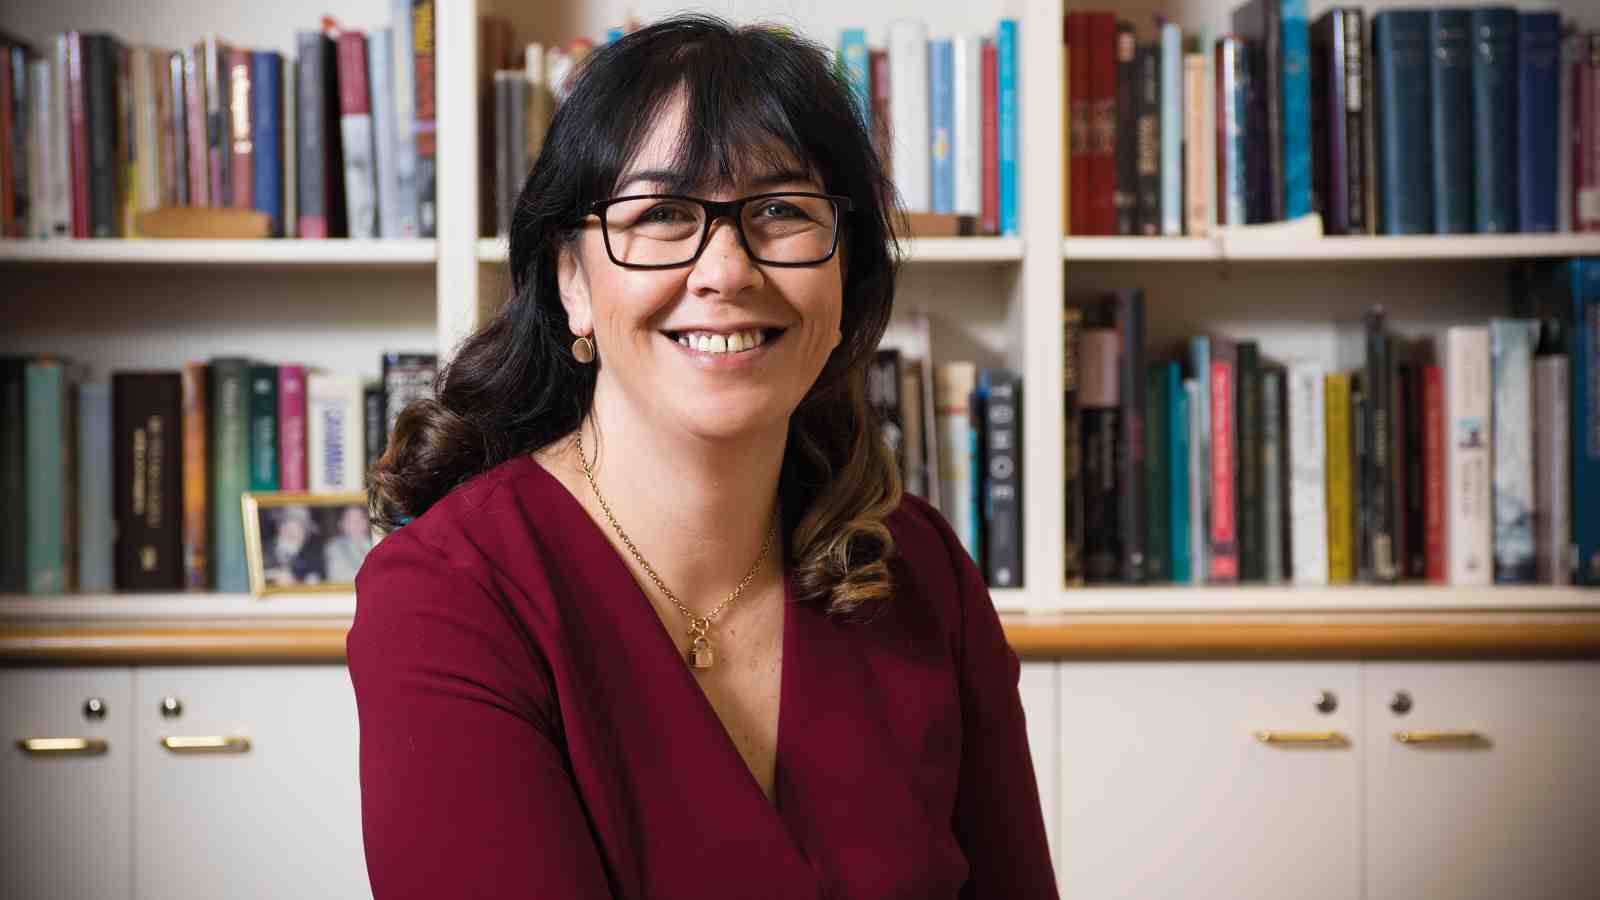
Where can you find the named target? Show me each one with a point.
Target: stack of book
(1436, 121)
(338, 141)
(135, 483)
(1464, 458)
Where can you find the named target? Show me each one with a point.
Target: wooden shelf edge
(1212, 639)
(1267, 248)
(273, 251)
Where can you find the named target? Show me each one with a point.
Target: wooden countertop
(319, 638)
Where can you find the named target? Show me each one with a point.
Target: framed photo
(301, 543)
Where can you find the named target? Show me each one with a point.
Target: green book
(1157, 476)
(264, 428)
(228, 394)
(50, 477)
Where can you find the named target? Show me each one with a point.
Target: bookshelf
(337, 304)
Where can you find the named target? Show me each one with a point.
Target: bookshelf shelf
(917, 251)
(287, 252)
(188, 608)
(1407, 598)
(1265, 248)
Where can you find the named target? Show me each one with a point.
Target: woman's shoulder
(922, 535)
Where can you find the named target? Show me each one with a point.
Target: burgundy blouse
(528, 728)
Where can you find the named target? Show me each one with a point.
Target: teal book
(48, 419)
(1178, 474)
(856, 69)
(264, 428)
(228, 394)
(97, 524)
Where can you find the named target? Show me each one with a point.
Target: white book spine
(1552, 510)
(60, 173)
(1468, 478)
(385, 138)
(335, 448)
(1308, 473)
(954, 383)
(40, 162)
(908, 115)
(1197, 484)
(1198, 131)
(146, 154)
(969, 124)
(404, 53)
(1511, 356)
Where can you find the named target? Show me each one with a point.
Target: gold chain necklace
(699, 655)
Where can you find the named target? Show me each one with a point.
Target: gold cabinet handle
(1439, 737)
(206, 744)
(63, 746)
(1329, 738)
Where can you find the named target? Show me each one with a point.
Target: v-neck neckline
(669, 647)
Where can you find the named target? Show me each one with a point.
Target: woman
(659, 622)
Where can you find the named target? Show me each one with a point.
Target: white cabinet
(1168, 790)
(1496, 790)
(251, 789)
(1039, 687)
(66, 813)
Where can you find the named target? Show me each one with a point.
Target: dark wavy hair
(753, 97)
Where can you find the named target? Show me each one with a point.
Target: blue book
(1295, 33)
(97, 522)
(1450, 119)
(857, 63)
(266, 136)
(1171, 130)
(1400, 89)
(1494, 117)
(1006, 64)
(1200, 364)
(1178, 473)
(1579, 279)
(941, 123)
(1538, 102)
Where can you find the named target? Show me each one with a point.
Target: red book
(991, 138)
(194, 105)
(240, 98)
(292, 428)
(1224, 543)
(1102, 183)
(1078, 92)
(1433, 503)
(78, 135)
(879, 61)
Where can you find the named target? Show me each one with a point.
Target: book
(883, 398)
(1200, 445)
(238, 106)
(195, 420)
(267, 138)
(1494, 118)
(1172, 100)
(319, 155)
(1435, 526)
(263, 428)
(1125, 186)
(1002, 510)
(941, 124)
(1340, 480)
(13, 476)
(229, 419)
(1552, 481)
(291, 428)
(356, 136)
(147, 461)
(1450, 65)
(407, 378)
(1402, 136)
(1248, 469)
(1156, 477)
(1259, 24)
(426, 127)
(1511, 346)
(1308, 467)
(1232, 92)
(909, 113)
(1010, 127)
(1126, 307)
(1180, 392)
(967, 123)
(1197, 483)
(1099, 403)
(333, 432)
(98, 528)
(1222, 553)
(51, 466)
(1469, 480)
(1198, 145)
(1295, 106)
(404, 88)
(385, 131)
(1274, 488)
(1072, 446)
(1579, 281)
(1538, 105)
(953, 386)
(1147, 153)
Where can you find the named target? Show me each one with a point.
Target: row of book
(134, 483)
(99, 137)
(955, 429)
(1465, 458)
(1416, 121)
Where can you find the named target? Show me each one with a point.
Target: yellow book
(1341, 524)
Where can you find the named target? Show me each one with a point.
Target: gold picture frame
(300, 543)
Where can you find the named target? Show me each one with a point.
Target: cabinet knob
(94, 709)
(1400, 704)
(1327, 702)
(171, 707)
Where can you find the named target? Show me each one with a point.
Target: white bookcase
(338, 304)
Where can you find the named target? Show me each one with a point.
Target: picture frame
(297, 542)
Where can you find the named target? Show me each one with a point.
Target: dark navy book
(1450, 57)
(1538, 100)
(1402, 141)
(1494, 117)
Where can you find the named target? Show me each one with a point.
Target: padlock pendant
(700, 656)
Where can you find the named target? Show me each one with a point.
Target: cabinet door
(1169, 790)
(66, 813)
(1041, 706)
(1495, 791)
(247, 783)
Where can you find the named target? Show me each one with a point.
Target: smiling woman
(660, 622)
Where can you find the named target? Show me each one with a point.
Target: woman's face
(630, 312)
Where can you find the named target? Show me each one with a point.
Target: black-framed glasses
(666, 231)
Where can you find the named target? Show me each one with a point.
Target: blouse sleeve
(998, 818)
(463, 791)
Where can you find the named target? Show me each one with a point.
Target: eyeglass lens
(659, 231)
